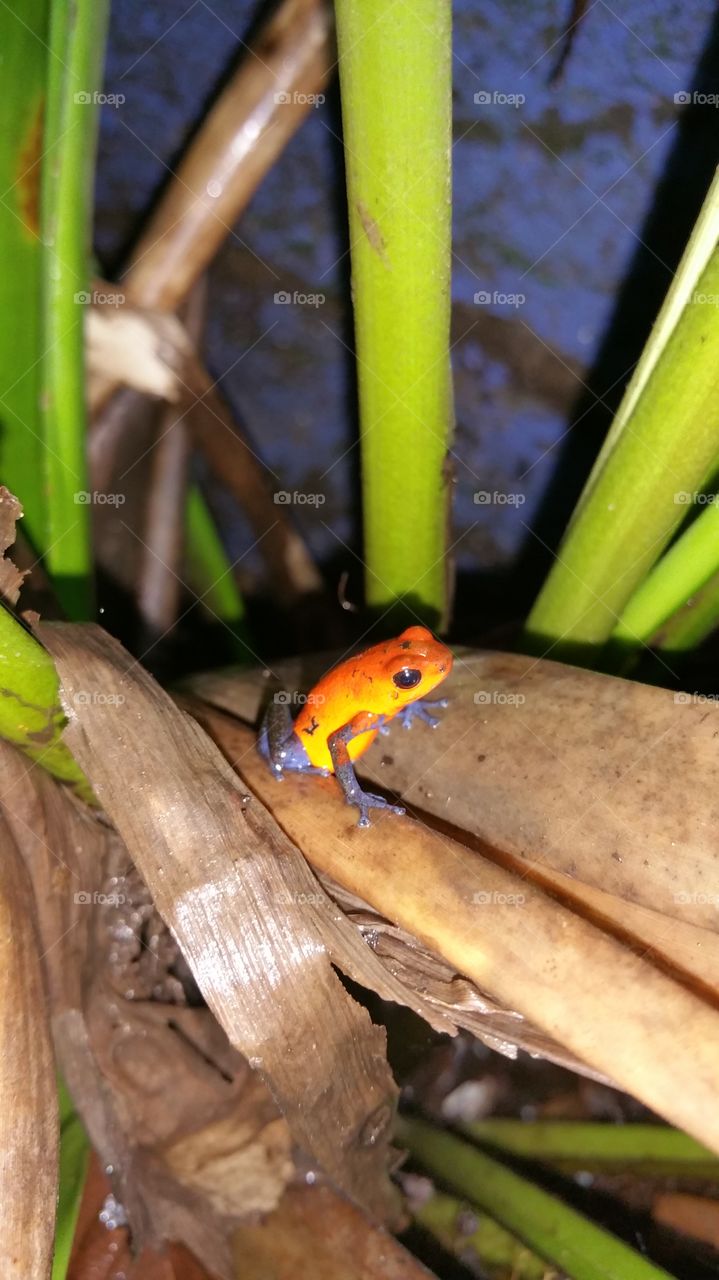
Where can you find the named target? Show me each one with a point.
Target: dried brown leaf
(28, 1116)
(194, 1139)
(232, 889)
(315, 1232)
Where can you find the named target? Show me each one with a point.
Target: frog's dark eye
(407, 678)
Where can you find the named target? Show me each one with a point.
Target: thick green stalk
(395, 78)
(556, 1232)
(23, 38)
(699, 248)
(77, 42)
(668, 446)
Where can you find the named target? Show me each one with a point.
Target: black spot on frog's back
(312, 727)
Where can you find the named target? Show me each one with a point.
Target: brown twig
(262, 107)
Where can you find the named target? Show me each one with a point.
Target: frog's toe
(370, 801)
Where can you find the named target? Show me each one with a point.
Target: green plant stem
(450, 1222)
(210, 573)
(74, 1155)
(668, 445)
(679, 575)
(560, 1234)
(395, 78)
(691, 624)
(23, 40)
(582, 1145)
(77, 40)
(30, 713)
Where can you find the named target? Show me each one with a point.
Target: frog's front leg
(279, 745)
(420, 710)
(337, 744)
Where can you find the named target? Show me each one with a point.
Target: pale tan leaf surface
(28, 1116)
(610, 1006)
(398, 966)
(192, 1135)
(232, 889)
(11, 578)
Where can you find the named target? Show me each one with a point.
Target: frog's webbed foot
(420, 710)
(366, 800)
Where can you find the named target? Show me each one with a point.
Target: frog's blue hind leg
(420, 710)
(279, 745)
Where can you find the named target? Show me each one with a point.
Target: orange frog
(350, 705)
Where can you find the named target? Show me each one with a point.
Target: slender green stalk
(395, 77)
(679, 575)
(560, 1234)
(23, 38)
(74, 1153)
(666, 443)
(77, 41)
(459, 1231)
(210, 571)
(30, 713)
(691, 624)
(581, 1145)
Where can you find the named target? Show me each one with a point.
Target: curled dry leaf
(191, 1134)
(141, 349)
(534, 784)
(11, 578)
(233, 889)
(28, 1116)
